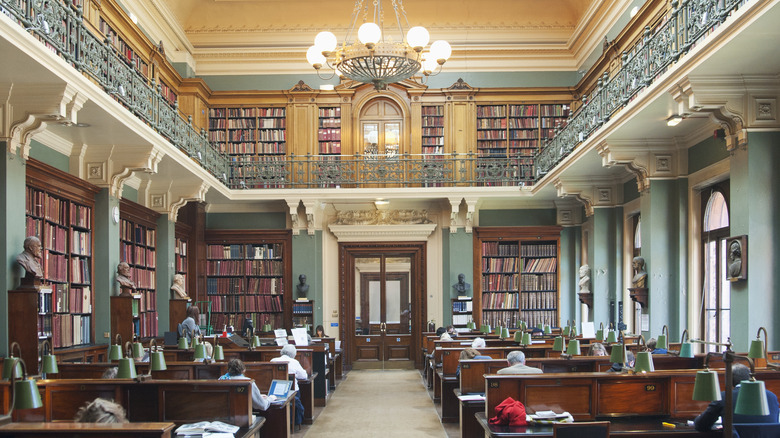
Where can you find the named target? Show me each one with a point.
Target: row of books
(503, 264)
(552, 122)
(68, 330)
(237, 123)
(501, 300)
(56, 238)
(539, 300)
(242, 286)
(33, 227)
(491, 135)
(462, 306)
(433, 141)
(460, 320)
(330, 147)
(536, 317)
(504, 318)
(246, 303)
(274, 135)
(55, 266)
(302, 308)
(81, 242)
(491, 111)
(80, 270)
(257, 252)
(491, 124)
(145, 301)
(330, 112)
(138, 234)
(523, 135)
(72, 300)
(541, 265)
(143, 278)
(540, 250)
(499, 282)
(146, 325)
(538, 282)
(138, 255)
(430, 132)
(329, 134)
(181, 248)
(430, 121)
(330, 123)
(523, 123)
(244, 267)
(220, 320)
(432, 110)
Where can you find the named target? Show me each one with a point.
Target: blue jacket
(706, 419)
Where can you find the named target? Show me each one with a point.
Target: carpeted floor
(373, 403)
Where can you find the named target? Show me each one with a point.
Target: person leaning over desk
(190, 323)
(740, 372)
(294, 367)
(235, 371)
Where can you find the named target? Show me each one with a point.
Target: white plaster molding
(199, 195)
(568, 213)
(313, 209)
(591, 193)
(646, 159)
(292, 205)
(454, 212)
(54, 142)
(382, 233)
(471, 208)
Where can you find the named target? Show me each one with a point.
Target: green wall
(570, 262)
(49, 156)
(130, 193)
(166, 267)
(246, 221)
(706, 153)
(630, 191)
(307, 260)
(517, 218)
(106, 242)
(457, 258)
(12, 203)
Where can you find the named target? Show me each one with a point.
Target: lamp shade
(12, 368)
(471, 325)
(195, 341)
(504, 332)
(126, 369)
(573, 331)
(752, 398)
(267, 327)
(566, 331)
(200, 351)
(686, 349)
(600, 335)
(255, 341)
(487, 329)
(559, 344)
(219, 354)
(616, 354)
(756, 349)
(519, 337)
(547, 329)
(26, 395)
(523, 326)
(158, 361)
(644, 362)
(526, 339)
(50, 364)
(706, 386)
(661, 342)
(611, 337)
(574, 348)
(138, 350)
(183, 344)
(114, 352)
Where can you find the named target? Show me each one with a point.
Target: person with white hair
(293, 367)
(516, 360)
(478, 343)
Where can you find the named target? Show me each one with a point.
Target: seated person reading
(294, 367)
(190, 323)
(235, 370)
(618, 367)
(740, 372)
(469, 354)
(319, 332)
(598, 349)
(101, 411)
(516, 360)
(651, 347)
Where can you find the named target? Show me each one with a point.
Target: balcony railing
(405, 170)
(65, 33)
(685, 25)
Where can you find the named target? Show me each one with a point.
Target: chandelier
(375, 58)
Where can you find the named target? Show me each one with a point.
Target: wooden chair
(592, 429)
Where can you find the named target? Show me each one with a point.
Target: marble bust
(30, 259)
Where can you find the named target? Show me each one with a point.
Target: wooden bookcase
(60, 212)
(461, 311)
(329, 130)
(248, 275)
(516, 129)
(432, 130)
(516, 275)
(303, 315)
(137, 247)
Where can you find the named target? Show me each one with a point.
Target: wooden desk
(91, 430)
(279, 417)
(625, 427)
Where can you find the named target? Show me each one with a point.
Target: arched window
(716, 289)
(381, 127)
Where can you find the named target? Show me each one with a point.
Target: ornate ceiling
(271, 36)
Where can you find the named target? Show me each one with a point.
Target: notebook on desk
(279, 390)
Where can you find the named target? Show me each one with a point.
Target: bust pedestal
(639, 295)
(586, 298)
(125, 291)
(23, 319)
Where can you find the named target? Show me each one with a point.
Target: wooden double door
(383, 304)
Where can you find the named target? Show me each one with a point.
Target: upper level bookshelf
(181, 256)
(60, 212)
(517, 268)
(329, 130)
(138, 247)
(249, 133)
(127, 52)
(248, 276)
(433, 130)
(516, 130)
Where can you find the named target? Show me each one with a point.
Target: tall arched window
(716, 289)
(381, 127)
(637, 252)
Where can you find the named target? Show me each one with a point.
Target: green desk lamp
(219, 354)
(12, 368)
(48, 360)
(758, 349)
(156, 357)
(600, 333)
(686, 348)
(662, 341)
(644, 362)
(115, 350)
(25, 391)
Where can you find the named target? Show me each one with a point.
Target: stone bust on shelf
(178, 287)
(584, 281)
(461, 287)
(302, 287)
(123, 277)
(30, 259)
(735, 259)
(640, 275)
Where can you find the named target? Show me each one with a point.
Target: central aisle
(374, 403)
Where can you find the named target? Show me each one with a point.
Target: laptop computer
(280, 389)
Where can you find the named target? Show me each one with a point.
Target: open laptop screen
(280, 388)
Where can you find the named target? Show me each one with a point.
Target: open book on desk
(213, 429)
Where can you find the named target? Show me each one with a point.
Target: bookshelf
(128, 54)
(516, 129)
(461, 311)
(517, 268)
(248, 133)
(248, 276)
(329, 131)
(59, 210)
(433, 130)
(550, 117)
(137, 247)
(303, 315)
(181, 256)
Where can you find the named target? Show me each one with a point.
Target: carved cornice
(160, 203)
(382, 233)
(301, 86)
(646, 159)
(292, 205)
(591, 193)
(381, 217)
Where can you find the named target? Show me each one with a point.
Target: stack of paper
(212, 429)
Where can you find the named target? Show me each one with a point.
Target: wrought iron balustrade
(685, 25)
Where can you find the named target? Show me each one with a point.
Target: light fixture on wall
(674, 120)
(374, 57)
(381, 202)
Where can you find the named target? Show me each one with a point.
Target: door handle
(383, 327)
